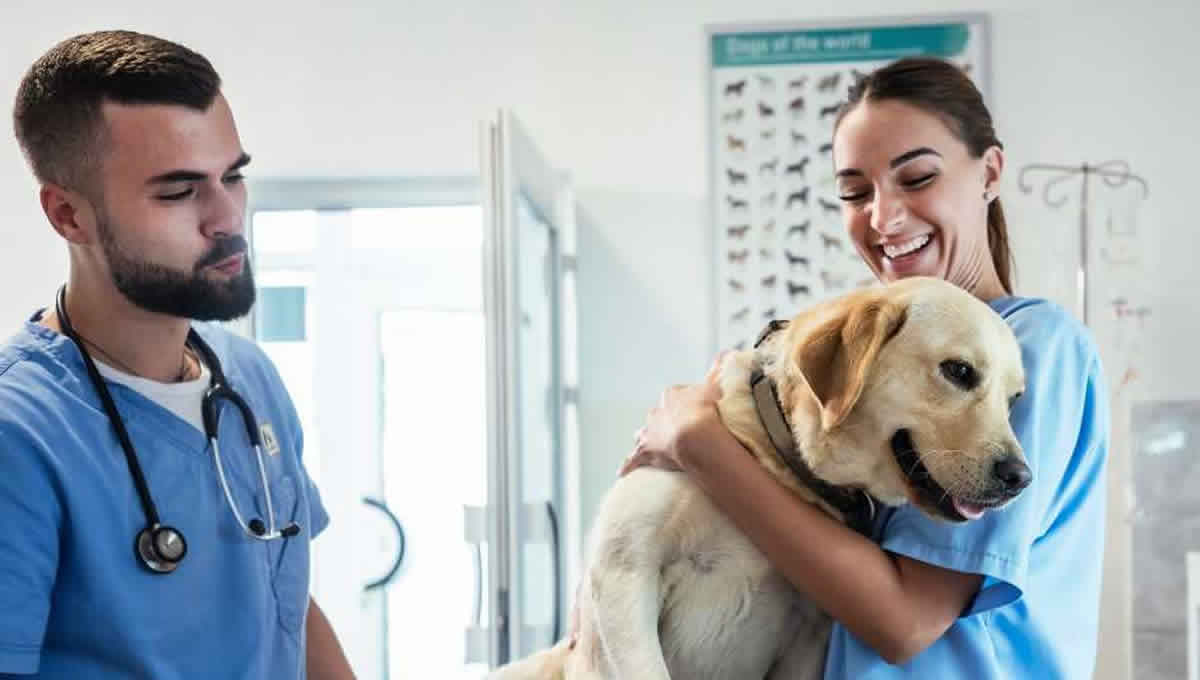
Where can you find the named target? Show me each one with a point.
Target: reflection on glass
(284, 231)
(536, 423)
(434, 446)
(434, 227)
(405, 283)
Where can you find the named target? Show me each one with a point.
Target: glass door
(529, 263)
(426, 333)
(374, 318)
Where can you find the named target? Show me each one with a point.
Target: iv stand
(1114, 174)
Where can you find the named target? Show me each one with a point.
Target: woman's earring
(987, 196)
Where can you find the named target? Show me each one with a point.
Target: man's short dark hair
(57, 115)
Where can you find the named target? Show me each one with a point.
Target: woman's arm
(897, 605)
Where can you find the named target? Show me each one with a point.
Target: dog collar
(857, 506)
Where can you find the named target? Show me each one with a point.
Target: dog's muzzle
(1010, 476)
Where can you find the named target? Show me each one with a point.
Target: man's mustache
(224, 249)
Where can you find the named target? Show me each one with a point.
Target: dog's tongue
(968, 510)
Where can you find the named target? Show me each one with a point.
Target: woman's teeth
(893, 251)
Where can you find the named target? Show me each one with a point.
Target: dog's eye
(960, 373)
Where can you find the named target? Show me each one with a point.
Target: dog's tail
(549, 664)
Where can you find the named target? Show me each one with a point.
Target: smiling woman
(917, 165)
(913, 155)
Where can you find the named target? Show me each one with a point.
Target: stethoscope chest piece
(160, 548)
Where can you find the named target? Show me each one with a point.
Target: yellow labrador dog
(897, 394)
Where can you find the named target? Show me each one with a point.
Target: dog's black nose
(1013, 474)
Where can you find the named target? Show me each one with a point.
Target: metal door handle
(401, 544)
(556, 581)
(478, 635)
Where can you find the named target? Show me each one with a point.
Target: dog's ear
(835, 353)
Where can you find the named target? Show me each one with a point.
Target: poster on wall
(773, 95)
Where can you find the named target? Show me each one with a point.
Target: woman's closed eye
(853, 194)
(918, 182)
(857, 195)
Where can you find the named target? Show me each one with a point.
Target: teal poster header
(852, 44)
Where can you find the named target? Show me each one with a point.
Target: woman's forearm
(848, 576)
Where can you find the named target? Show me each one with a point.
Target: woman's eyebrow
(909, 155)
(895, 163)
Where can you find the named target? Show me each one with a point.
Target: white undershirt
(181, 398)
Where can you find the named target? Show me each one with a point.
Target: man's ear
(69, 212)
(835, 354)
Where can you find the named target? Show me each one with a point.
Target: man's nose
(225, 214)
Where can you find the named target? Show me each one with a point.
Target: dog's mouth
(932, 494)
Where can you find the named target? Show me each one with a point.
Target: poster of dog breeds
(775, 95)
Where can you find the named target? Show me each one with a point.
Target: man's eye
(178, 196)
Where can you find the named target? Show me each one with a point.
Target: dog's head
(905, 391)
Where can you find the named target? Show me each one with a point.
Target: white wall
(614, 90)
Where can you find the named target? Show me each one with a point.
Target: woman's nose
(887, 213)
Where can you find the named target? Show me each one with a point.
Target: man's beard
(190, 295)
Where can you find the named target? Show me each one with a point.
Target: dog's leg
(804, 657)
(626, 601)
(623, 586)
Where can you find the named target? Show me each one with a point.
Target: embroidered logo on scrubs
(269, 442)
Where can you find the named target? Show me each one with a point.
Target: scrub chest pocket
(288, 560)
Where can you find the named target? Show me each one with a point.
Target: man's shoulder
(28, 359)
(14, 349)
(37, 389)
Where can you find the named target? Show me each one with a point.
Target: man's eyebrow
(194, 176)
(240, 163)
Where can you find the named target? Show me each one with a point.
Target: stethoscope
(160, 547)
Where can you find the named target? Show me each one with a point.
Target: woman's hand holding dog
(685, 418)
